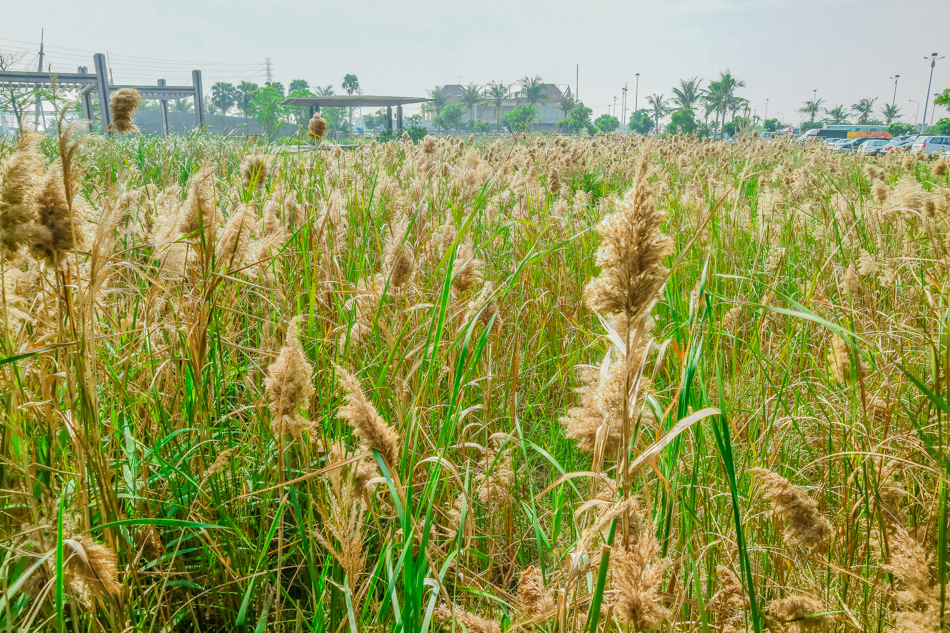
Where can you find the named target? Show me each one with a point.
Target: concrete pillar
(102, 87)
(399, 117)
(85, 96)
(163, 110)
(389, 118)
(199, 98)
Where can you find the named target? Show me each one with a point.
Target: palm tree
(532, 89)
(811, 108)
(688, 94)
(566, 103)
(496, 93)
(439, 99)
(837, 116)
(890, 113)
(471, 96)
(326, 91)
(721, 96)
(660, 108)
(863, 109)
(223, 96)
(351, 84)
(245, 91)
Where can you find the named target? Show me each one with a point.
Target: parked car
(873, 147)
(850, 145)
(835, 143)
(931, 144)
(901, 143)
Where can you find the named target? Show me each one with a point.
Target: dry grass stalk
(20, 178)
(798, 614)
(533, 600)
(450, 616)
(56, 230)
(317, 128)
(123, 103)
(92, 568)
(254, 170)
(637, 576)
(631, 254)
(288, 384)
(360, 414)
(399, 259)
(484, 307)
(804, 525)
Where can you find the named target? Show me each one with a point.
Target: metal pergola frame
(88, 83)
(358, 101)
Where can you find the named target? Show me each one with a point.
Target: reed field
(563, 384)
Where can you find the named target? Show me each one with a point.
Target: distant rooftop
(355, 101)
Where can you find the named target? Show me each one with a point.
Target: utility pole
(894, 100)
(39, 98)
(577, 81)
(933, 62)
(766, 117)
(934, 113)
(615, 106)
(268, 70)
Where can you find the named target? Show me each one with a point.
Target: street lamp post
(916, 112)
(933, 62)
(894, 100)
(623, 115)
(766, 117)
(636, 93)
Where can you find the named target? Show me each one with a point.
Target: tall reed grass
(558, 384)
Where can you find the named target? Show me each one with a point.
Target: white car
(873, 148)
(931, 144)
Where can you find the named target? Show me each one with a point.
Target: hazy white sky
(782, 49)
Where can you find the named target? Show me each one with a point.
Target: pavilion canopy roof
(356, 101)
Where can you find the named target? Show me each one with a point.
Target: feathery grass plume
(398, 257)
(364, 304)
(20, 178)
(908, 163)
(220, 462)
(200, 208)
(494, 487)
(448, 616)
(365, 419)
(254, 170)
(92, 568)
(600, 400)
(805, 526)
(343, 512)
(358, 475)
(637, 576)
(55, 231)
(232, 248)
(317, 128)
(533, 599)
(484, 306)
(798, 614)
(939, 168)
(466, 271)
(123, 103)
(909, 561)
(631, 254)
(841, 362)
(288, 384)
(730, 601)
